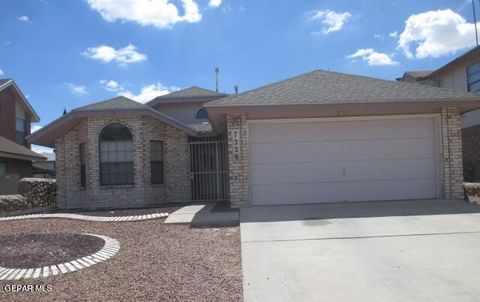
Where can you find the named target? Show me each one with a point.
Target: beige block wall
(452, 178)
(176, 165)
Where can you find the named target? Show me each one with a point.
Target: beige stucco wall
(451, 149)
(455, 78)
(176, 165)
(184, 112)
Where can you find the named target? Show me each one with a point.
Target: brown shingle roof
(326, 87)
(192, 94)
(13, 150)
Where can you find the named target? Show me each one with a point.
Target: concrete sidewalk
(203, 215)
(324, 253)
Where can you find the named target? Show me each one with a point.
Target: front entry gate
(209, 168)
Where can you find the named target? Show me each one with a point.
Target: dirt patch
(37, 250)
(156, 262)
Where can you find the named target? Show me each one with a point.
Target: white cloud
(215, 3)
(77, 89)
(41, 149)
(111, 85)
(158, 13)
(148, 92)
(36, 128)
(372, 57)
(23, 19)
(1, 72)
(331, 20)
(123, 56)
(436, 33)
(393, 34)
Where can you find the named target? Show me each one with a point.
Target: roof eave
(21, 156)
(46, 135)
(34, 116)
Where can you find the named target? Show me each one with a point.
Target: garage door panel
(342, 192)
(389, 149)
(348, 130)
(296, 152)
(341, 150)
(314, 172)
(325, 161)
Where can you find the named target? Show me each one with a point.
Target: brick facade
(451, 145)
(176, 188)
(471, 153)
(452, 154)
(238, 168)
(7, 115)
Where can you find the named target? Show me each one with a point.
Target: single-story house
(318, 137)
(44, 168)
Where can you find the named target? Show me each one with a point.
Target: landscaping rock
(473, 191)
(34, 193)
(40, 192)
(10, 203)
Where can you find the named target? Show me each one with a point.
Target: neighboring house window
(156, 162)
(116, 155)
(83, 180)
(3, 169)
(473, 77)
(20, 128)
(202, 114)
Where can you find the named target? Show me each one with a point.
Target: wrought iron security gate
(209, 168)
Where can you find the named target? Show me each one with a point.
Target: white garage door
(300, 161)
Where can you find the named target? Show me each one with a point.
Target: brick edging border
(111, 247)
(88, 217)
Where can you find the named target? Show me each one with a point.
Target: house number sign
(236, 144)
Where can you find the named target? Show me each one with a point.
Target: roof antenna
(475, 21)
(217, 70)
(236, 88)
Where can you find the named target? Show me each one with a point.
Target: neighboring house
(16, 114)
(461, 74)
(319, 137)
(44, 168)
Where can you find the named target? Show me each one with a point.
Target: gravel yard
(156, 262)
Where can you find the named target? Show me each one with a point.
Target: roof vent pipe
(217, 70)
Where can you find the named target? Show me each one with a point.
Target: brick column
(239, 191)
(452, 154)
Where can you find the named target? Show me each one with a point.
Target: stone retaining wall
(34, 193)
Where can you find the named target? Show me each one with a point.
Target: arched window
(202, 114)
(116, 155)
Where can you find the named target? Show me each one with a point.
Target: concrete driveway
(375, 251)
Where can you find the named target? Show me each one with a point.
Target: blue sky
(64, 54)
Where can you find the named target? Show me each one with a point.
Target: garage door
(300, 161)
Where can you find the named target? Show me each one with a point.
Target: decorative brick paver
(111, 247)
(87, 217)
